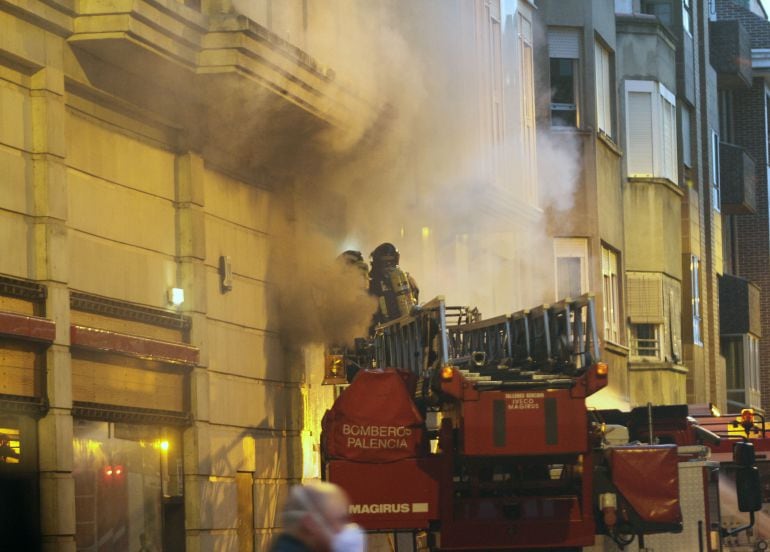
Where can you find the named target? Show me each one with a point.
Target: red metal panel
(534, 422)
(551, 522)
(143, 347)
(398, 495)
(374, 420)
(648, 478)
(27, 327)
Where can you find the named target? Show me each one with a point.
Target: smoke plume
(415, 168)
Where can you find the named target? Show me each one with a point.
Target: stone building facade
(147, 147)
(135, 417)
(149, 396)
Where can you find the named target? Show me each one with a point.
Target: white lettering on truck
(396, 508)
(376, 437)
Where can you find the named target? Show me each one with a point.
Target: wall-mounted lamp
(225, 274)
(175, 296)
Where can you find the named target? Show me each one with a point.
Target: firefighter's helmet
(385, 255)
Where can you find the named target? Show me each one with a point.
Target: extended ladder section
(545, 346)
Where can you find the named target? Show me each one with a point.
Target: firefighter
(395, 289)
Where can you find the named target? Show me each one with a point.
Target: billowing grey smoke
(414, 169)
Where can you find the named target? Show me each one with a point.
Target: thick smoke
(414, 168)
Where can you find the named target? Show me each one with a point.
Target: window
(767, 128)
(528, 172)
(10, 441)
(715, 192)
(603, 89)
(624, 6)
(687, 16)
(696, 313)
(494, 69)
(564, 52)
(687, 136)
(645, 341)
(662, 9)
(726, 116)
(651, 130)
(611, 289)
(741, 354)
(571, 256)
(128, 481)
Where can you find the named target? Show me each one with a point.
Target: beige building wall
(103, 195)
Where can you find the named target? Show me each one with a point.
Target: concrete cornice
(639, 23)
(176, 47)
(53, 15)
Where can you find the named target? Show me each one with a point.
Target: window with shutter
(715, 190)
(686, 136)
(668, 142)
(564, 53)
(650, 130)
(640, 133)
(603, 89)
(564, 43)
(696, 311)
(668, 134)
(611, 299)
(527, 107)
(644, 297)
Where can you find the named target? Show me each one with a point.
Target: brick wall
(758, 28)
(753, 231)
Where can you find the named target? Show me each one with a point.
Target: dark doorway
(173, 524)
(19, 513)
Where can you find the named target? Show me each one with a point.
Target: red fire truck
(476, 434)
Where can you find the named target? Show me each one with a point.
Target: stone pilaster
(49, 259)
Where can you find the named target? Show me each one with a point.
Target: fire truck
(475, 435)
(747, 426)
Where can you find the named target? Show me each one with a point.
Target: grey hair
(309, 499)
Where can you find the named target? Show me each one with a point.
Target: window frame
(528, 123)
(663, 162)
(686, 115)
(687, 16)
(567, 107)
(746, 347)
(656, 340)
(767, 125)
(611, 294)
(646, 7)
(716, 192)
(603, 78)
(571, 248)
(565, 45)
(697, 316)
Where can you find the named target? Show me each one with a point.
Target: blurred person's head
(317, 515)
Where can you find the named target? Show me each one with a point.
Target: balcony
(730, 53)
(208, 73)
(737, 176)
(738, 307)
